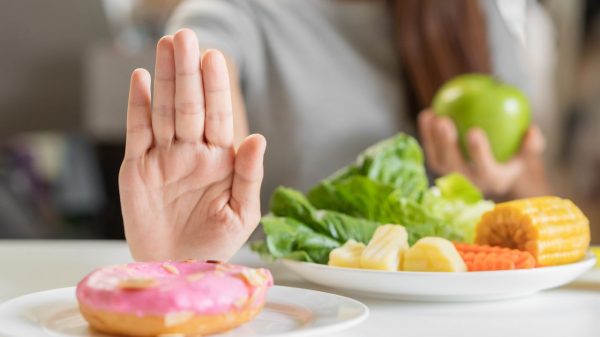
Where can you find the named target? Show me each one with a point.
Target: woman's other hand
(522, 176)
(185, 191)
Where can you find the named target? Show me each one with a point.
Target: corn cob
(433, 254)
(552, 229)
(386, 248)
(347, 255)
(483, 257)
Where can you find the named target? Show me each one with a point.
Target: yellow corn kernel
(596, 251)
(348, 255)
(433, 254)
(385, 250)
(552, 229)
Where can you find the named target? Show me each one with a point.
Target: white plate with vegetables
(435, 269)
(440, 286)
(336, 235)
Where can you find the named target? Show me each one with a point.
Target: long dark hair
(437, 40)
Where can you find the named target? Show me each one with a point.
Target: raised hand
(522, 176)
(185, 192)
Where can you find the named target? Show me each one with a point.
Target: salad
(380, 213)
(387, 184)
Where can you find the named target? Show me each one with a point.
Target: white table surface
(572, 311)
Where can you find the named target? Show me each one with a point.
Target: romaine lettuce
(287, 202)
(458, 203)
(291, 239)
(387, 184)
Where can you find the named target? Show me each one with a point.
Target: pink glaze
(197, 287)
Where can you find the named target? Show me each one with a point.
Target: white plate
(441, 287)
(288, 312)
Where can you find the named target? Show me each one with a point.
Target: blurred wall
(43, 44)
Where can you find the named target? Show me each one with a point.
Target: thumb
(247, 179)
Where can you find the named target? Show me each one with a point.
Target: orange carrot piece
(486, 258)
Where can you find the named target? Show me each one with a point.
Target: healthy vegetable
(459, 204)
(552, 229)
(485, 258)
(288, 202)
(396, 162)
(450, 209)
(433, 254)
(353, 195)
(291, 239)
(387, 184)
(362, 197)
(393, 164)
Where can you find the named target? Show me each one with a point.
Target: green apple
(475, 100)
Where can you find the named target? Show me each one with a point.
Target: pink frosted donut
(189, 297)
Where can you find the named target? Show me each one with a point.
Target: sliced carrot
(485, 258)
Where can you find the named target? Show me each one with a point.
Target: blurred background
(65, 68)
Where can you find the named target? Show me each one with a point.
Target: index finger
(425, 121)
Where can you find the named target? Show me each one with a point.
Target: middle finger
(189, 97)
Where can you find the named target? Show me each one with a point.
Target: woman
(322, 80)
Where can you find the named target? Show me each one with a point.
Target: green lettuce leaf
(398, 162)
(451, 209)
(287, 202)
(291, 203)
(417, 220)
(365, 198)
(291, 239)
(355, 195)
(455, 186)
(458, 203)
(343, 227)
(387, 184)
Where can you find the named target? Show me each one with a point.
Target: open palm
(185, 192)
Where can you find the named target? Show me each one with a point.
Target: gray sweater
(320, 77)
